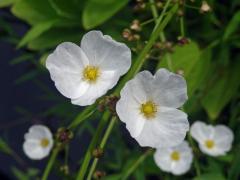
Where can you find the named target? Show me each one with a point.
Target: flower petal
(106, 81)
(170, 89)
(168, 129)
(65, 65)
(128, 110)
(162, 159)
(106, 53)
(34, 151)
(201, 132)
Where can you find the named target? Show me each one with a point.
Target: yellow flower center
(44, 142)
(209, 143)
(148, 109)
(175, 156)
(91, 73)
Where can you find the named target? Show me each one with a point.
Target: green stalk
(82, 116)
(136, 164)
(50, 164)
(195, 161)
(142, 56)
(92, 145)
(162, 35)
(102, 145)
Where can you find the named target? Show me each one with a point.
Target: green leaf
(34, 11)
(98, 11)
(232, 26)
(4, 147)
(210, 176)
(234, 170)
(187, 59)
(55, 36)
(67, 9)
(36, 31)
(220, 92)
(5, 3)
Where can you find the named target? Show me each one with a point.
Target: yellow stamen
(149, 109)
(209, 143)
(44, 142)
(175, 156)
(91, 73)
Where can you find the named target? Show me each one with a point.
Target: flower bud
(64, 169)
(64, 135)
(136, 25)
(99, 174)
(97, 153)
(205, 7)
(183, 41)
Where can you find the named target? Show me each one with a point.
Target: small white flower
(38, 142)
(212, 140)
(176, 160)
(85, 73)
(148, 107)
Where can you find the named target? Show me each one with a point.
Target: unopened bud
(64, 135)
(97, 153)
(99, 174)
(136, 25)
(183, 41)
(205, 7)
(180, 72)
(180, 13)
(64, 169)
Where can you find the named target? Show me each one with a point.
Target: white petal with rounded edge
(168, 129)
(169, 89)
(128, 109)
(183, 165)
(162, 159)
(201, 132)
(106, 53)
(65, 65)
(223, 137)
(34, 151)
(32, 145)
(105, 81)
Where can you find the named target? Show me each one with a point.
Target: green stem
(195, 161)
(182, 26)
(102, 145)
(50, 164)
(92, 145)
(136, 164)
(142, 56)
(82, 116)
(162, 35)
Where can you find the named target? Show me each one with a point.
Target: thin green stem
(50, 164)
(92, 145)
(142, 56)
(195, 161)
(102, 145)
(136, 164)
(82, 116)
(182, 26)
(162, 35)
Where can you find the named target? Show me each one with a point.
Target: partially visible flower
(85, 73)
(38, 142)
(176, 160)
(212, 140)
(205, 7)
(148, 105)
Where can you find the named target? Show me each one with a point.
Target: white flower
(176, 160)
(212, 140)
(148, 107)
(85, 73)
(38, 142)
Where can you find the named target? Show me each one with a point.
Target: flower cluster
(148, 104)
